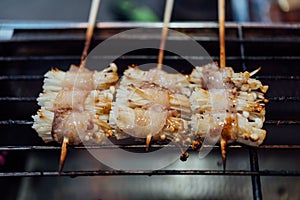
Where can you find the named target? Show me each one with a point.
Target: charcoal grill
(29, 50)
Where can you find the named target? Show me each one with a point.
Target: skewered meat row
(153, 104)
(80, 78)
(76, 105)
(237, 110)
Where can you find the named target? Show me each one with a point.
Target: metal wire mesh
(242, 38)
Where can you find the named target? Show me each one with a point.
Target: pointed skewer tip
(224, 153)
(63, 154)
(255, 71)
(148, 140)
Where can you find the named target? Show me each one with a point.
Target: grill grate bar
(27, 148)
(153, 173)
(282, 122)
(41, 77)
(256, 184)
(17, 98)
(242, 49)
(74, 57)
(278, 77)
(264, 58)
(285, 99)
(40, 58)
(195, 37)
(269, 122)
(21, 77)
(18, 122)
(275, 99)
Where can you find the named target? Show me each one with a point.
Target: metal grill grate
(35, 48)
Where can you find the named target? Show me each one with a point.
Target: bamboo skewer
(63, 154)
(221, 16)
(164, 34)
(221, 12)
(90, 30)
(89, 34)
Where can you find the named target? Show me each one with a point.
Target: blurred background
(150, 10)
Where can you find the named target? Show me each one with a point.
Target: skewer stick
(221, 5)
(89, 34)
(90, 30)
(148, 140)
(164, 34)
(221, 16)
(63, 154)
(223, 152)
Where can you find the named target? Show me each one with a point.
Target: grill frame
(77, 29)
